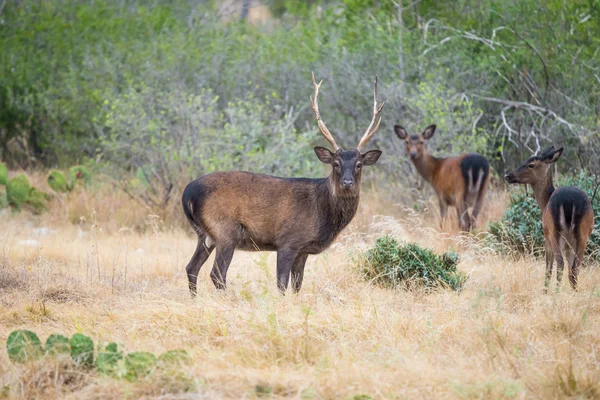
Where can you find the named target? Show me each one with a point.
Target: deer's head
(347, 164)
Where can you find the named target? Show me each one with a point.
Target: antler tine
(314, 103)
(376, 112)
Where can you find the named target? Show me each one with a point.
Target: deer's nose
(348, 183)
(413, 154)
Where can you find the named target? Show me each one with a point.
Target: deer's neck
(543, 190)
(427, 165)
(342, 206)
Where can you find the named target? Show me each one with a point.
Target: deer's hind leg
(203, 250)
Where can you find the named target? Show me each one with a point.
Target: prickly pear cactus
(17, 191)
(82, 350)
(175, 357)
(139, 364)
(23, 345)
(78, 174)
(57, 344)
(58, 182)
(107, 361)
(3, 173)
(38, 201)
(3, 198)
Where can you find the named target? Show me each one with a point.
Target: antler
(315, 106)
(376, 111)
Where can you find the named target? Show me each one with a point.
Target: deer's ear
(400, 132)
(553, 156)
(428, 132)
(324, 155)
(371, 157)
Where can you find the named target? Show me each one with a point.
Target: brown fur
(447, 176)
(567, 215)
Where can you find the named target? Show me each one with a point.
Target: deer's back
(265, 209)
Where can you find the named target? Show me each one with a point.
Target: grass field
(340, 337)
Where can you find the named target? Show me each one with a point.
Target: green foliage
(391, 264)
(107, 361)
(79, 173)
(139, 364)
(520, 228)
(38, 201)
(23, 345)
(3, 173)
(57, 181)
(57, 344)
(82, 350)
(17, 191)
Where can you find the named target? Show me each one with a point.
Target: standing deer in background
(458, 181)
(567, 214)
(293, 216)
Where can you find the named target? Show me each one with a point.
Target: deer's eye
(358, 166)
(336, 164)
(531, 165)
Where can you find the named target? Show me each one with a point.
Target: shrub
(82, 350)
(17, 191)
(3, 173)
(23, 345)
(139, 364)
(520, 229)
(57, 344)
(391, 264)
(57, 181)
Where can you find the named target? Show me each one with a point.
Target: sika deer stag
(567, 214)
(293, 216)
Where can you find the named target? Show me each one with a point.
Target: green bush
(23, 345)
(17, 191)
(139, 364)
(57, 344)
(391, 264)
(3, 173)
(107, 361)
(57, 181)
(520, 229)
(82, 350)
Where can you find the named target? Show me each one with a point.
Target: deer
(567, 214)
(460, 181)
(296, 217)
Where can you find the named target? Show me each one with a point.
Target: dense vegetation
(391, 264)
(164, 91)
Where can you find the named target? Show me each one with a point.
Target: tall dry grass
(340, 337)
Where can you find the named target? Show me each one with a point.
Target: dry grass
(339, 338)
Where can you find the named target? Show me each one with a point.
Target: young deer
(567, 215)
(458, 181)
(293, 216)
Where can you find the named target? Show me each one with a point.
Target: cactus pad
(23, 346)
(82, 350)
(57, 344)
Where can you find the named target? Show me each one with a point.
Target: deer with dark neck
(567, 215)
(293, 216)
